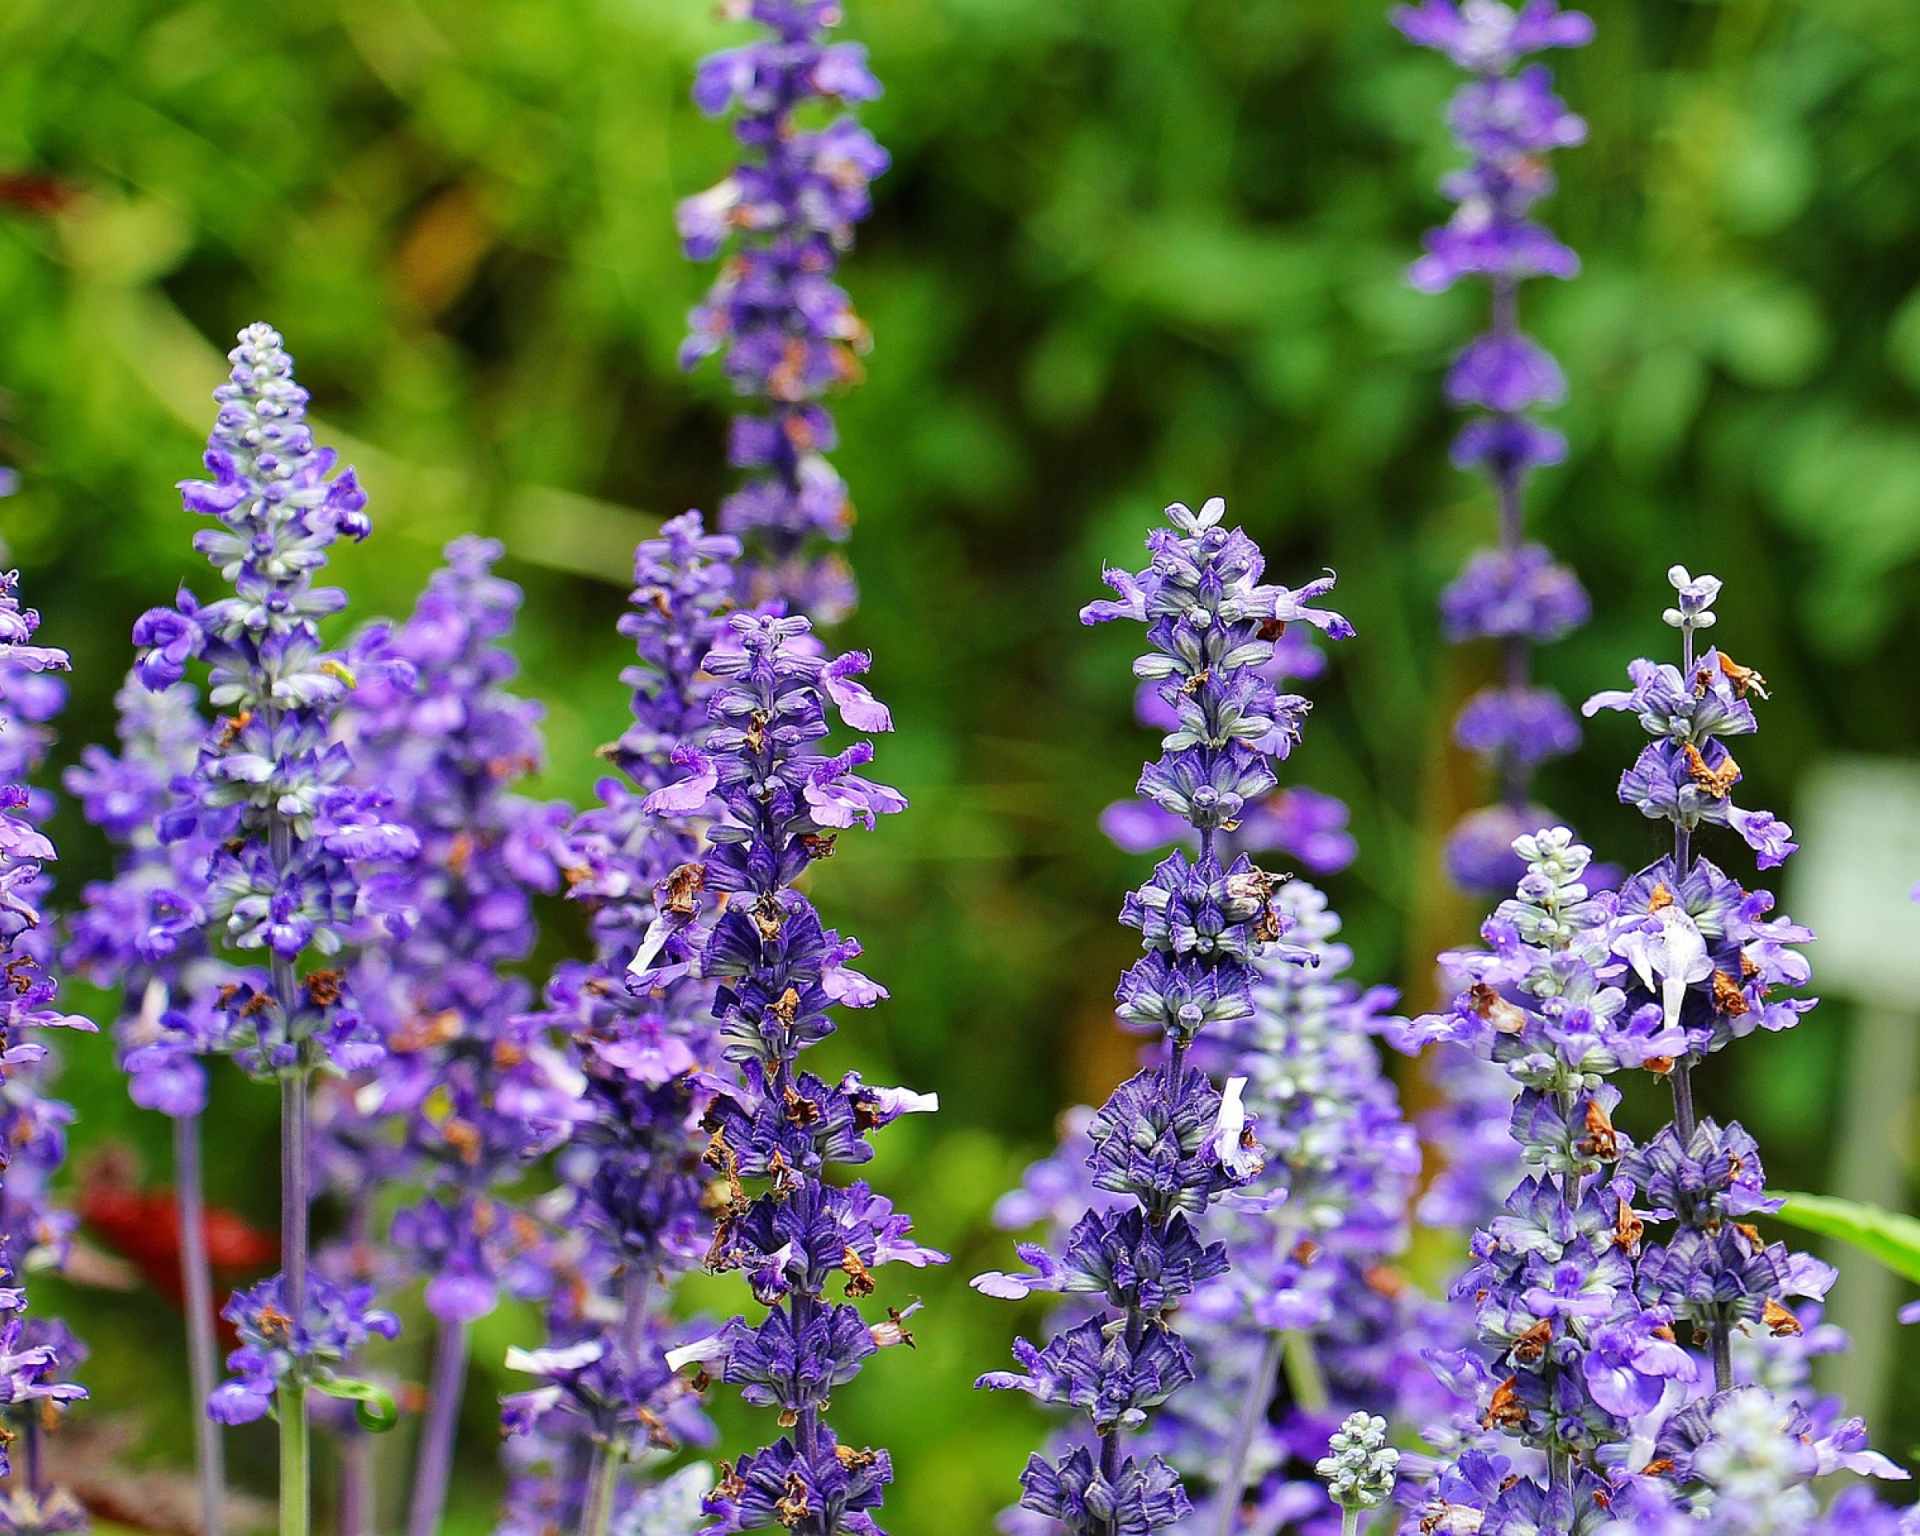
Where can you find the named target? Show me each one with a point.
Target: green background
(1129, 251)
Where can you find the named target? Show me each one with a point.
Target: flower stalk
(196, 1288)
(1507, 120)
(787, 333)
(292, 851)
(1167, 1142)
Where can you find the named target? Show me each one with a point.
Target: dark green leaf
(1892, 1237)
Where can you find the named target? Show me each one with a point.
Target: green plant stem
(296, 1462)
(1253, 1413)
(196, 1277)
(602, 1482)
(1723, 1357)
(1304, 1378)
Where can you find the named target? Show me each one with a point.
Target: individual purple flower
(788, 333)
(1480, 37)
(1528, 725)
(1506, 374)
(278, 1348)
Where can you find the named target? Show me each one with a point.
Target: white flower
(1237, 1151)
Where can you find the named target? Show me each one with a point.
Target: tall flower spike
(35, 1352)
(1167, 1142)
(1568, 1358)
(1585, 1318)
(788, 332)
(1306, 1323)
(1507, 119)
(1312, 1319)
(469, 1087)
(141, 934)
(774, 804)
(297, 846)
(1705, 959)
(632, 1179)
(631, 1200)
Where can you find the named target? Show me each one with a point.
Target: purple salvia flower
(278, 1346)
(1167, 1143)
(297, 846)
(143, 934)
(35, 1352)
(774, 804)
(787, 331)
(1507, 119)
(1569, 1355)
(1311, 1072)
(638, 1022)
(469, 1091)
(1585, 1320)
(1704, 960)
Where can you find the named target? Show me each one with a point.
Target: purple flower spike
(787, 333)
(289, 840)
(36, 1352)
(1669, 1367)
(640, 1040)
(1168, 1144)
(466, 1084)
(772, 801)
(275, 859)
(1507, 118)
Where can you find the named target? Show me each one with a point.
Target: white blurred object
(1853, 878)
(1852, 882)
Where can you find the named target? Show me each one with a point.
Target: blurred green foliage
(1131, 250)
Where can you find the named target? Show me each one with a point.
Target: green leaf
(373, 1405)
(1892, 1237)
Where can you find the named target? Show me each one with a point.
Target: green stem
(296, 1462)
(1349, 1521)
(1304, 1378)
(602, 1482)
(1253, 1413)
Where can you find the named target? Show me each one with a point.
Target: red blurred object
(35, 193)
(142, 1226)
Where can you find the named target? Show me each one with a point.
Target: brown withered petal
(1744, 679)
(1727, 996)
(1495, 1009)
(1717, 782)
